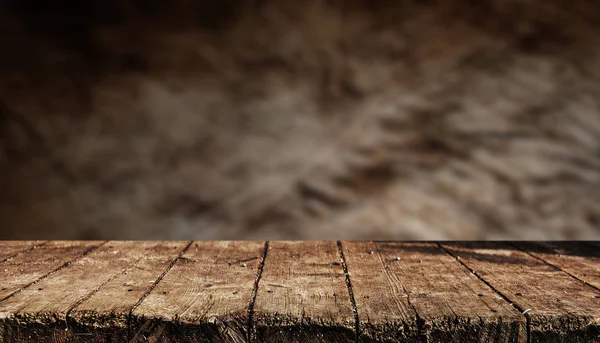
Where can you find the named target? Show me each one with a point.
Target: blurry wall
(310, 119)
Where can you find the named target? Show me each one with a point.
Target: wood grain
(384, 309)
(105, 315)
(33, 264)
(576, 258)
(559, 308)
(235, 291)
(205, 296)
(302, 295)
(42, 311)
(9, 249)
(392, 280)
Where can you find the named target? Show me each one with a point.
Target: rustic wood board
(558, 307)
(576, 258)
(389, 318)
(42, 311)
(205, 297)
(9, 249)
(105, 315)
(453, 305)
(34, 264)
(232, 291)
(303, 296)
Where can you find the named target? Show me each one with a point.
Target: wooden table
(325, 291)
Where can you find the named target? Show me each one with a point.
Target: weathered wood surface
(106, 312)
(396, 283)
(558, 307)
(389, 318)
(303, 296)
(10, 249)
(43, 311)
(233, 291)
(580, 260)
(205, 297)
(26, 268)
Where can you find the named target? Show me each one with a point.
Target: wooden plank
(409, 292)
(105, 315)
(34, 264)
(302, 295)
(383, 306)
(576, 258)
(41, 312)
(205, 296)
(9, 249)
(391, 280)
(559, 308)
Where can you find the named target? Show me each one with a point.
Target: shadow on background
(260, 119)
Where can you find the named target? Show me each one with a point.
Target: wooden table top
(320, 291)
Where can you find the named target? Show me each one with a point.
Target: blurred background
(266, 119)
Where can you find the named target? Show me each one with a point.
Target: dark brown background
(312, 119)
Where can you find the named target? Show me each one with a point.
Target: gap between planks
(92, 293)
(22, 251)
(350, 292)
(63, 266)
(147, 293)
(255, 291)
(260, 270)
(564, 271)
(504, 297)
(348, 282)
(554, 266)
(158, 280)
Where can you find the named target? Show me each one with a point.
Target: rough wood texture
(105, 315)
(205, 297)
(302, 296)
(9, 249)
(580, 260)
(392, 280)
(383, 305)
(558, 307)
(238, 292)
(42, 312)
(29, 267)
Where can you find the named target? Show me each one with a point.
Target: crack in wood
(23, 251)
(91, 294)
(255, 291)
(232, 328)
(553, 265)
(63, 266)
(504, 297)
(420, 321)
(158, 280)
(350, 291)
